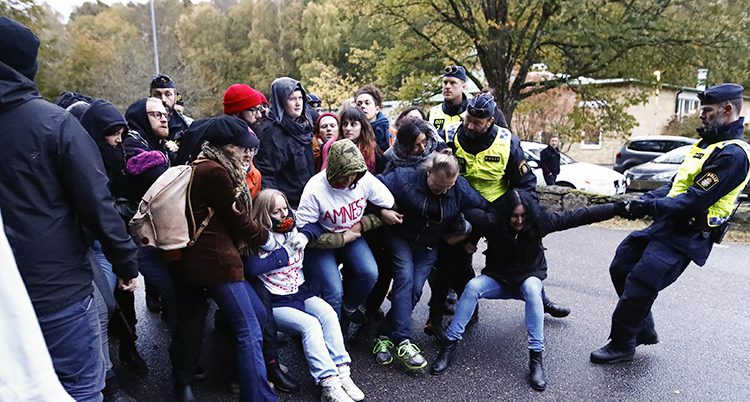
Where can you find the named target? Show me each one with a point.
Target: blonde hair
(263, 204)
(443, 162)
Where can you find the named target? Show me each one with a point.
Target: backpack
(160, 220)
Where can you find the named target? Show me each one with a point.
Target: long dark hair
(366, 140)
(408, 131)
(532, 229)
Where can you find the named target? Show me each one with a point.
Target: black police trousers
(642, 267)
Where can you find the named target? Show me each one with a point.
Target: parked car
(660, 171)
(579, 175)
(639, 150)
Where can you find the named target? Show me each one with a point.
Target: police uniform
(686, 213)
(438, 117)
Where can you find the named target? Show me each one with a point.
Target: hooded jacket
(100, 118)
(338, 209)
(380, 127)
(285, 158)
(52, 182)
(141, 139)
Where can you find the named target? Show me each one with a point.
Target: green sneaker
(383, 351)
(410, 355)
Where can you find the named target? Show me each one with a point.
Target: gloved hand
(639, 208)
(297, 242)
(621, 210)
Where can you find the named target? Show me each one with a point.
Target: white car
(579, 175)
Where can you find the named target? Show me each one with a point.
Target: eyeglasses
(161, 79)
(158, 115)
(257, 109)
(451, 69)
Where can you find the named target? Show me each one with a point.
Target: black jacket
(512, 257)
(98, 119)
(550, 158)
(53, 182)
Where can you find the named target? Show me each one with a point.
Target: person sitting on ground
(515, 268)
(296, 310)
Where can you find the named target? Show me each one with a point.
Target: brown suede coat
(215, 258)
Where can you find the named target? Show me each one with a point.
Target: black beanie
(18, 47)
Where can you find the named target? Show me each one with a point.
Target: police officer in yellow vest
(689, 215)
(492, 160)
(453, 108)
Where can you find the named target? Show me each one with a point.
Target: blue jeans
(412, 264)
(360, 273)
(238, 302)
(104, 264)
(72, 337)
(485, 287)
(154, 268)
(322, 340)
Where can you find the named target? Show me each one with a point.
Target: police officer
(492, 160)
(689, 215)
(453, 108)
(163, 87)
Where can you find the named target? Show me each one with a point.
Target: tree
(576, 38)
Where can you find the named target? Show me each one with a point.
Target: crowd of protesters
(310, 221)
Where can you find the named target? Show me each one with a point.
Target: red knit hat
(239, 97)
(263, 99)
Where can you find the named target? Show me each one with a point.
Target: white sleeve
(376, 192)
(309, 206)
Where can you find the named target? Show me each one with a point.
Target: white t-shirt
(286, 280)
(340, 209)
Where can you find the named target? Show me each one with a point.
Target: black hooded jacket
(53, 183)
(141, 138)
(285, 157)
(100, 118)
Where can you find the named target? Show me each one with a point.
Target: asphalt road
(703, 321)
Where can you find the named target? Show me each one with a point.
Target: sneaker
(348, 384)
(410, 355)
(383, 351)
(331, 391)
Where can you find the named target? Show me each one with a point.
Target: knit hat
(263, 99)
(239, 97)
(224, 130)
(455, 72)
(18, 47)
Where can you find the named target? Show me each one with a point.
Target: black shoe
(556, 310)
(449, 307)
(434, 325)
(537, 379)
(612, 353)
(184, 393)
(113, 393)
(443, 360)
(131, 358)
(153, 303)
(647, 337)
(199, 374)
(281, 380)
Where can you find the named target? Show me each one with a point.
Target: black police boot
(281, 380)
(647, 337)
(537, 379)
(612, 353)
(443, 360)
(131, 358)
(184, 393)
(555, 310)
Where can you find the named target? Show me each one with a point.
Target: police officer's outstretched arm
(721, 174)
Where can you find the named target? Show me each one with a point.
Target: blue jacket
(53, 183)
(414, 198)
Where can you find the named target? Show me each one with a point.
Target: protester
(416, 140)
(243, 101)
(369, 99)
(355, 127)
(296, 310)
(212, 266)
(45, 206)
(286, 159)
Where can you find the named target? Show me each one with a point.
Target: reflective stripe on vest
(441, 121)
(485, 171)
(692, 167)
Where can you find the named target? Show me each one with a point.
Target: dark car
(660, 171)
(639, 150)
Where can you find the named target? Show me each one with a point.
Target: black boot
(184, 393)
(443, 360)
(555, 310)
(647, 337)
(281, 380)
(434, 325)
(612, 353)
(113, 393)
(537, 379)
(131, 358)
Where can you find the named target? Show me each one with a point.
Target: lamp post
(153, 34)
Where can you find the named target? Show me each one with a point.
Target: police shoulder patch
(523, 168)
(707, 181)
